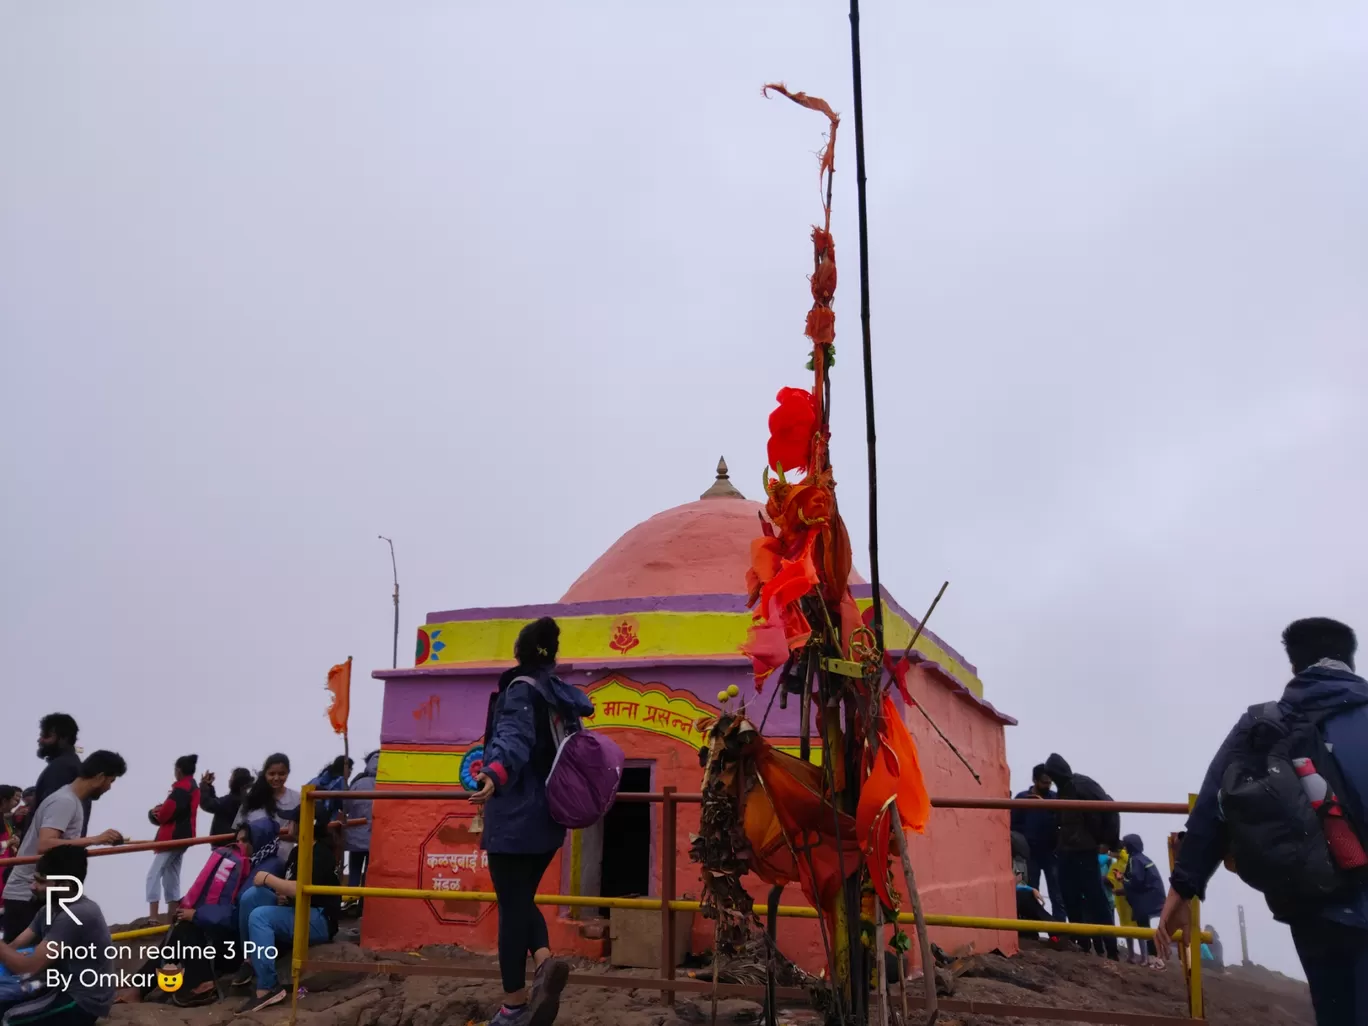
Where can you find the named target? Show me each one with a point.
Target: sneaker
(509, 1016)
(1156, 963)
(243, 977)
(543, 1002)
(274, 996)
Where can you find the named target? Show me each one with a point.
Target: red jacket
(175, 817)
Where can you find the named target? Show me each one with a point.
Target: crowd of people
(243, 893)
(1091, 873)
(1283, 805)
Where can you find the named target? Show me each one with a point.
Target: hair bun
(538, 642)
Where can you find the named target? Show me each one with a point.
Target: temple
(651, 631)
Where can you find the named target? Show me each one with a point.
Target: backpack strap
(1328, 767)
(553, 718)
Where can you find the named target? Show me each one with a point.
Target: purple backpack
(586, 773)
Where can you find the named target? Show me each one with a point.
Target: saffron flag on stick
(339, 683)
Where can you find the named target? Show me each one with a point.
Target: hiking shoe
(543, 1000)
(510, 1016)
(274, 996)
(245, 975)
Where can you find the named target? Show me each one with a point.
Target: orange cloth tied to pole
(789, 812)
(895, 778)
(339, 683)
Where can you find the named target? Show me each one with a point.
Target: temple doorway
(626, 863)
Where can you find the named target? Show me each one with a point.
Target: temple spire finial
(722, 488)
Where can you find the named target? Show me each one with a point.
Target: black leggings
(522, 930)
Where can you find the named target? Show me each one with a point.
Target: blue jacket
(1041, 829)
(1316, 689)
(518, 753)
(1143, 884)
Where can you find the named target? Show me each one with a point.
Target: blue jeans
(252, 899)
(269, 924)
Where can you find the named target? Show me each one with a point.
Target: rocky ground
(1038, 977)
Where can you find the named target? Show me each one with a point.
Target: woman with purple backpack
(532, 706)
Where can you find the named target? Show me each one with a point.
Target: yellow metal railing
(668, 905)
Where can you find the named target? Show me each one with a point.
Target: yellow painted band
(648, 636)
(645, 636)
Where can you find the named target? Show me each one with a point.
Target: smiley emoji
(170, 982)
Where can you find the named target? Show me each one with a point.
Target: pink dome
(700, 548)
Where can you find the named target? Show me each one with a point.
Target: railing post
(1194, 940)
(667, 889)
(303, 878)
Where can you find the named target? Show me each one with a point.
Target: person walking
(1082, 837)
(175, 820)
(1041, 830)
(519, 833)
(1325, 705)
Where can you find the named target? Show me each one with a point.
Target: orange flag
(339, 683)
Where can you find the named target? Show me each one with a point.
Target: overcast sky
(503, 282)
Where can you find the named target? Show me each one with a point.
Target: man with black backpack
(1284, 801)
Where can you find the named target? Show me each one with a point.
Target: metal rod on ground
(1244, 940)
(928, 960)
(772, 935)
(717, 966)
(880, 952)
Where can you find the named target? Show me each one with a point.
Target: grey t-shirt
(91, 984)
(60, 810)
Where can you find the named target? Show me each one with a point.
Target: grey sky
(501, 283)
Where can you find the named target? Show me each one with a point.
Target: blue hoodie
(1143, 884)
(518, 754)
(1325, 686)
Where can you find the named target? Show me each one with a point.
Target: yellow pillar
(303, 878)
(1194, 939)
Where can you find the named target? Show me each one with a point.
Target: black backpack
(1274, 834)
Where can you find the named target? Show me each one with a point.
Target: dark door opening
(627, 841)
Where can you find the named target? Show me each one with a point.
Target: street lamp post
(395, 568)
